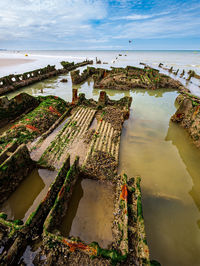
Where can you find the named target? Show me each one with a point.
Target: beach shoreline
(7, 62)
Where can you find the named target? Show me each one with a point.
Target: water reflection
(175, 235)
(72, 208)
(87, 216)
(167, 179)
(190, 156)
(28, 194)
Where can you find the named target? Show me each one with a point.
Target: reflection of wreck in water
(178, 136)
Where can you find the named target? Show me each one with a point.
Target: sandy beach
(6, 62)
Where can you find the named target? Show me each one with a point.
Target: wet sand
(6, 62)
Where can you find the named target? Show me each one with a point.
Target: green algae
(34, 123)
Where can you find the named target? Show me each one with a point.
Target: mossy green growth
(139, 207)
(3, 215)
(34, 123)
(30, 218)
(17, 222)
(125, 178)
(112, 254)
(3, 167)
(195, 103)
(138, 183)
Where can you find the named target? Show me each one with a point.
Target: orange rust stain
(124, 193)
(32, 128)
(15, 126)
(78, 245)
(8, 145)
(61, 191)
(104, 74)
(196, 112)
(53, 110)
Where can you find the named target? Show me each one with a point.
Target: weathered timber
(90, 132)
(35, 122)
(12, 109)
(13, 82)
(188, 115)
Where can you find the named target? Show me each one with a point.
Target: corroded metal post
(74, 95)
(102, 97)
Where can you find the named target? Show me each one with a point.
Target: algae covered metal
(78, 140)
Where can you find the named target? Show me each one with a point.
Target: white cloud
(133, 17)
(163, 27)
(95, 23)
(41, 19)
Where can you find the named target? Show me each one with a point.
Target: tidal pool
(90, 212)
(27, 196)
(164, 156)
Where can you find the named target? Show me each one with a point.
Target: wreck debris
(77, 78)
(182, 74)
(127, 78)
(192, 74)
(21, 234)
(64, 80)
(133, 77)
(12, 109)
(57, 247)
(98, 61)
(10, 179)
(34, 123)
(98, 158)
(188, 115)
(72, 135)
(71, 65)
(14, 82)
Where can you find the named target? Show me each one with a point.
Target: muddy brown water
(27, 196)
(164, 156)
(90, 212)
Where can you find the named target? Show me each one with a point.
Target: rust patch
(124, 193)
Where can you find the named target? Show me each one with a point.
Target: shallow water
(86, 216)
(27, 196)
(163, 154)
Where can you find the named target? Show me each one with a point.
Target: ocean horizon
(178, 59)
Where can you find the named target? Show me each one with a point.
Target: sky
(100, 24)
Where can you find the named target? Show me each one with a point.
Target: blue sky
(100, 24)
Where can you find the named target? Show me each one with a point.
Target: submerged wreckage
(13, 82)
(127, 78)
(188, 113)
(73, 149)
(75, 142)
